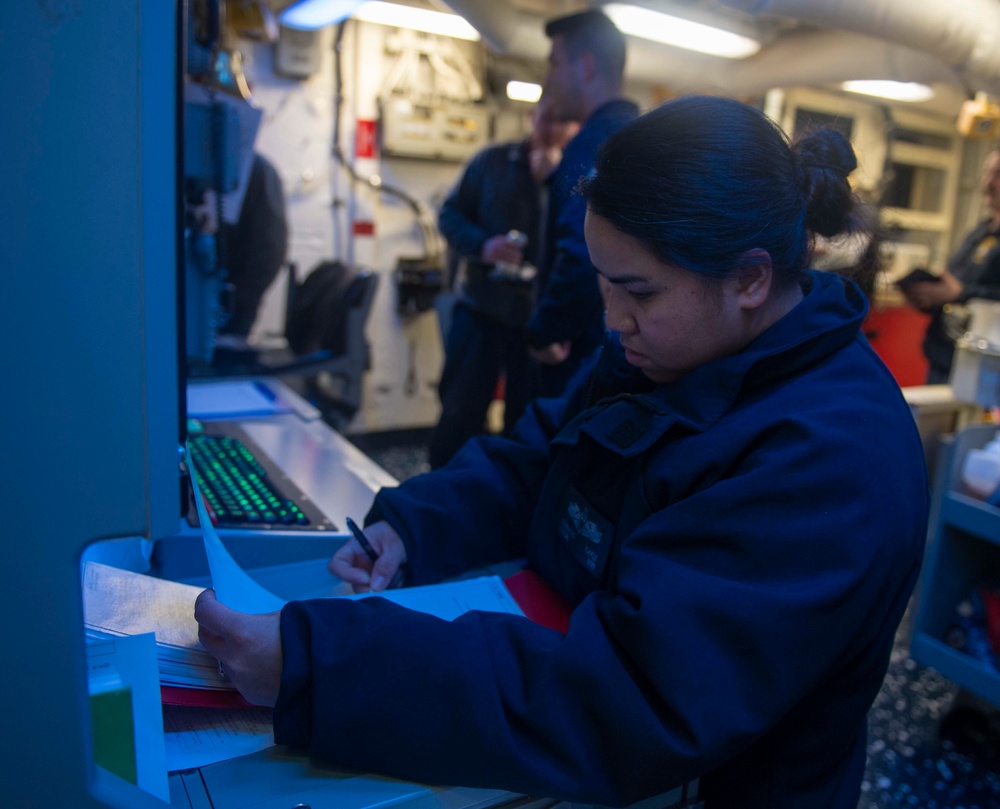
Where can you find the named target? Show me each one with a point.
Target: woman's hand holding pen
(248, 647)
(353, 563)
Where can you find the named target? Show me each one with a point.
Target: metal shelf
(957, 666)
(972, 516)
(964, 543)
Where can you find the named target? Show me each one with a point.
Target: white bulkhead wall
(324, 206)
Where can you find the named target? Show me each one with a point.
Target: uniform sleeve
(570, 304)
(471, 513)
(987, 286)
(731, 606)
(476, 510)
(458, 219)
(960, 264)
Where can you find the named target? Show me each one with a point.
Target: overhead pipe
(504, 28)
(961, 33)
(906, 40)
(812, 57)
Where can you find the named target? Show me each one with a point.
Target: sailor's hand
(543, 161)
(352, 564)
(552, 354)
(248, 647)
(498, 249)
(926, 295)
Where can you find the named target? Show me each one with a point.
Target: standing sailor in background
(583, 83)
(492, 222)
(973, 272)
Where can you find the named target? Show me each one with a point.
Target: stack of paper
(123, 603)
(120, 602)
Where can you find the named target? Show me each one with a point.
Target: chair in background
(326, 315)
(339, 379)
(327, 351)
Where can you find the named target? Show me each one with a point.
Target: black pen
(359, 535)
(366, 546)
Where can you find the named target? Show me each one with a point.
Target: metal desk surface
(279, 779)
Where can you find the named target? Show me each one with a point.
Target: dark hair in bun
(702, 180)
(825, 159)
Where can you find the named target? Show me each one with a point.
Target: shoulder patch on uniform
(625, 434)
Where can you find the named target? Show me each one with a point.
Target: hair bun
(824, 159)
(825, 150)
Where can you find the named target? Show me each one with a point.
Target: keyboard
(237, 488)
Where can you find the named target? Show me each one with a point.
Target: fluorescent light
(895, 90)
(417, 19)
(681, 33)
(310, 15)
(524, 91)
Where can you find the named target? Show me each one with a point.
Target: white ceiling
(949, 45)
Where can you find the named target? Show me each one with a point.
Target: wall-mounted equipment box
(298, 53)
(437, 131)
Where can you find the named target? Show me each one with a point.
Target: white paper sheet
(124, 603)
(233, 586)
(451, 599)
(197, 737)
(237, 590)
(228, 400)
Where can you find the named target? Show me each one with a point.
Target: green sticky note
(113, 729)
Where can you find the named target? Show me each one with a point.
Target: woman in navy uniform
(733, 501)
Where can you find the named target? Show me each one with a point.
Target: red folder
(202, 697)
(539, 601)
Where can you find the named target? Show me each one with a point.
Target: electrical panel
(298, 53)
(438, 130)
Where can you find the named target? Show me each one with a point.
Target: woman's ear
(754, 276)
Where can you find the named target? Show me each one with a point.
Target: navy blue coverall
(486, 338)
(739, 546)
(570, 305)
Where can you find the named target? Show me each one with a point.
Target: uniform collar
(827, 319)
(518, 151)
(613, 108)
